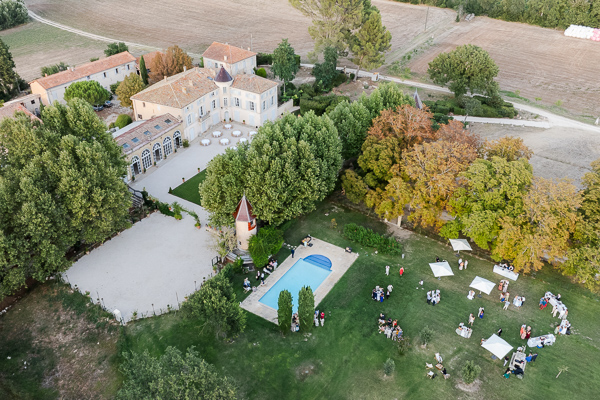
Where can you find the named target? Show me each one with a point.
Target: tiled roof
(252, 83)
(243, 212)
(179, 90)
(84, 70)
(139, 135)
(223, 76)
(149, 58)
(218, 51)
(8, 111)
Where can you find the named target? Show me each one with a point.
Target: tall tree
(550, 217)
(215, 304)
(9, 79)
(115, 48)
(172, 62)
(90, 91)
(369, 44)
(332, 19)
(143, 70)
(510, 148)
(467, 68)
(354, 186)
(130, 85)
(172, 376)
(12, 13)
(284, 311)
(326, 71)
(284, 63)
(352, 121)
(60, 185)
(264, 244)
(306, 308)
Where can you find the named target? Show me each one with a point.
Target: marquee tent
(441, 269)
(497, 346)
(460, 244)
(482, 285)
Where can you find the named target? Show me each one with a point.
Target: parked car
(98, 107)
(107, 104)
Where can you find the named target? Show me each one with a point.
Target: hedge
(366, 237)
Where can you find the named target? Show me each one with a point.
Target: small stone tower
(245, 223)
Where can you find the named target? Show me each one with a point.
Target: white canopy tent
(482, 285)
(460, 244)
(497, 346)
(441, 269)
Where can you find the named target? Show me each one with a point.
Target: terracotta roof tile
(8, 111)
(252, 83)
(243, 212)
(140, 134)
(84, 70)
(179, 90)
(218, 51)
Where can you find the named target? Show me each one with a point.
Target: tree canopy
(60, 186)
(284, 63)
(143, 70)
(369, 44)
(172, 62)
(9, 79)
(467, 68)
(284, 311)
(306, 308)
(12, 13)
(172, 376)
(90, 91)
(326, 71)
(267, 242)
(54, 68)
(115, 48)
(130, 85)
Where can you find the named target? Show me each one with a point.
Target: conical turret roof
(243, 212)
(223, 76)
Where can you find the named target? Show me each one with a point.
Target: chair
(431, 374)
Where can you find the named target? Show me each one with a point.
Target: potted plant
(183, 179)
(198, 169)
(144, 170)
(243, 121)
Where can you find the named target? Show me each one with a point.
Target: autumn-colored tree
(432, 170)
(509, 147)
(389, 203)
(170, 63)
(454, 131)
(543, 230)
(130, 85)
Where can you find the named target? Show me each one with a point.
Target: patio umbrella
(483, 285)
(460, 244)
(497, 346)
(441, 269)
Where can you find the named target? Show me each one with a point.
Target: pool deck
(340, 262)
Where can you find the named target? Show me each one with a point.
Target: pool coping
(340, 263)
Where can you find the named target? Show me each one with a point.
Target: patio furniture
(227, 126)
(224, 141)
(505, 272)
(252, 133)
(216, 133)
(236, 133)
(205, 142)
(243, 140)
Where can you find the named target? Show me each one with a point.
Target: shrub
(470, 372)
(261, 72)
(264, 59)
(340, 79)
(426, 335)
(122, 121)
(389, 366)
(54, 69)
(114, 86)
(266, 242)
(94, 59)
(403, 345)
(352, 76)
(366, 237)
(186, 143)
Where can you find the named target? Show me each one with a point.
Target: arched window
(177, 139)
(168, 146)
(136, 167)
(146, 159)
(157, 151)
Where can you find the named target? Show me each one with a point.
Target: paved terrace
(340, 262)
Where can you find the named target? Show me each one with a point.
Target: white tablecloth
(252, 133)
(236, 133)
(227, 126)
(505, 272)
(536, 341)
(216, 133)
(205, 142)
(243, 140)
(224, 141)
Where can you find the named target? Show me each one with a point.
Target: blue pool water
(310, 271)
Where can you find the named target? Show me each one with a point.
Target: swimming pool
(309, 271)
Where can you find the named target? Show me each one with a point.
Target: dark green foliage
(355, 188)
(143, 71)
(115, 48)
(366, 237)
(186, 143)
(54, 69)
(9, 79)
(90, 91)
(94, 59)
(172, 376)
(389, 366)
(426, 334)
(320, 104)
(326, 72)
(12, 13)
(485, 109)
(284, 311)
(306, 308)
(264, 59)
(284, 64)
(265, 243)
(123, 120)
(216, 304)
(261, 72)
(114, 86)
(339, 79)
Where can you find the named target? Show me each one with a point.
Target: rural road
(553, 120)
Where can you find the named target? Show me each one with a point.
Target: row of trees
(12, 13)
(61, 187)
(547, 13)
(348, 26)
(306, 309)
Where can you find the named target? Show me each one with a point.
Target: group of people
(518, 301)
(463, 330)
(462, 264)
(506, 266)
(379, 293)
(525, 332)
(564, 328)
(558, 308)
(389, 327)
(438, 365)
(433, 297)
(319, 318)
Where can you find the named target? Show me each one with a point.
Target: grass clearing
(344, 359)
(189, 189)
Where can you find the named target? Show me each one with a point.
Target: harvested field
(536, 61)
(35, 45)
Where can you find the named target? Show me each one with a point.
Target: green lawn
(344, 359)
(189, 189)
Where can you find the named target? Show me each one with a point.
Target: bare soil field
(536, 61)
(35, 45)
(558, 152)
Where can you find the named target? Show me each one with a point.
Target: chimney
(72, 69)
(165, 78)
(248, 48)
(184, 90)
(184, 68)
(225, 58)
(46, 74)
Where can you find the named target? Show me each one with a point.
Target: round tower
(245, 223)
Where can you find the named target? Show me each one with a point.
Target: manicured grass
(189, 189)
(344, 359)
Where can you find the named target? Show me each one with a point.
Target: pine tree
(369, 44)
(8, 76)
(143, 71)
(284, 311)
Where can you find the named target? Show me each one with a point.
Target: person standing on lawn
(401, 271)
(387, 269)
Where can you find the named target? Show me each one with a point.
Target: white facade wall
(241, 67)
